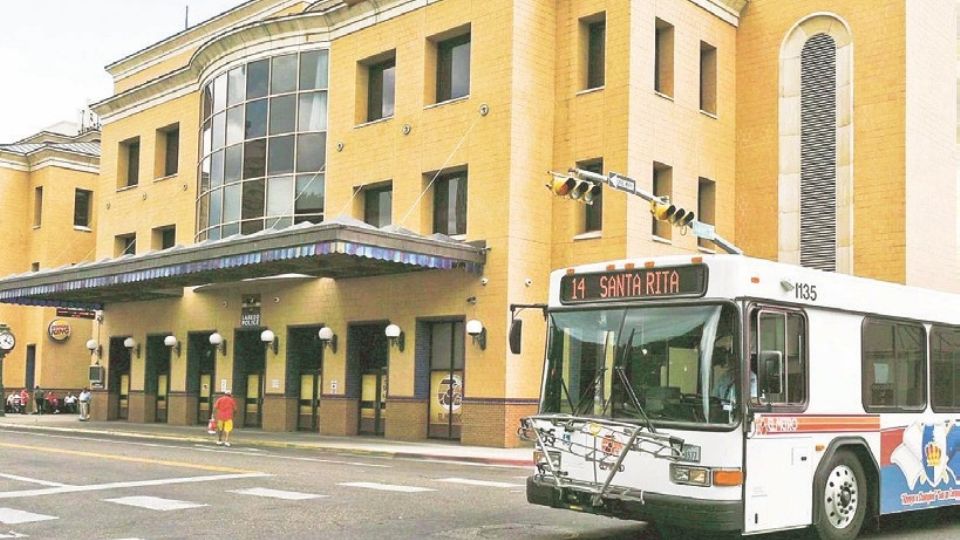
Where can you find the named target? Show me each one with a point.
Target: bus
(726, 393)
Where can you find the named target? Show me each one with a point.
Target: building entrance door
(31, 367)
(305, 374)
(446, 379)
(201, 373)
(368, 355)
(249, 367)
(118, 381)
(157, 383)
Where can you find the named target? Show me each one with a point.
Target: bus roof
(737, 276)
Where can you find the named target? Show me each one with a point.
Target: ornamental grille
(818, 153)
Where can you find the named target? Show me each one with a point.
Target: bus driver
(725, 372)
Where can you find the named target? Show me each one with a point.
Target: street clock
(7, 341)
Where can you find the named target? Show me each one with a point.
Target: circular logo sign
(59, 330)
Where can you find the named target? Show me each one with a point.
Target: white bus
(725, 393)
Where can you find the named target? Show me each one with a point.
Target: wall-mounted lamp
(132, 345)
(171, 341)
(476, 330)
(327, 337)
(394, 336)
(269, 338)
(218, 342)
(95, 348)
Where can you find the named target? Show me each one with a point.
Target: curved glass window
(263, 146)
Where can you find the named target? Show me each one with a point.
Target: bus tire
(840, 497)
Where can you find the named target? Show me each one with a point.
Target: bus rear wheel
(841, 497)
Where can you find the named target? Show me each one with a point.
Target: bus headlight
(541, 459)
(691, 476)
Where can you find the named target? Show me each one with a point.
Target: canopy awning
(341, 248)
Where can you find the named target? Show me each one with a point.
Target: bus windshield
(658, 364)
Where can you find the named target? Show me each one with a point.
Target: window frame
(709, 82)
(595, 73)
(88, 215)
(593, 211)
(445, 178)
(754, 311)
(895, 409)
(444, 51)
(377, 190)
(37, 207)
(375, 73)
(933, 402)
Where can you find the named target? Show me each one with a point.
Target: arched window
(816, 145)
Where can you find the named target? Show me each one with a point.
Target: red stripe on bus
(890, 439)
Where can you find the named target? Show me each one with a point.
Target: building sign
(635, 284)
(58, 330)
(250, 311)
(77, 313)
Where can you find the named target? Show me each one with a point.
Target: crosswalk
(13, 516)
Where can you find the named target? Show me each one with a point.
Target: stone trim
(789, 137)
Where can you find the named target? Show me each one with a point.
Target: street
(87, 486)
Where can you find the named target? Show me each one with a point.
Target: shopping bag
(212, 426)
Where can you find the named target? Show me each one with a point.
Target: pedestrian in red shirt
(224, 408)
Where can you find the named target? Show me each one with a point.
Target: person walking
(24, 401)
(224, 409)
(84, 400)
(38, 399)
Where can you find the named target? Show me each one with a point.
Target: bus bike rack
(658, 445)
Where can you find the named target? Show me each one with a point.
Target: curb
(506, 462)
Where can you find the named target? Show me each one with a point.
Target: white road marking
(277, 494)
(460, 463)
(155, 503)
(11, 516)
(116, 485)
(386, 487)
(483, 483)
(12, 534)
(292, 458)
(32, 480)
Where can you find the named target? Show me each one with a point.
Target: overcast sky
(52, 52)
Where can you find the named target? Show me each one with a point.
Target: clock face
(7, 341)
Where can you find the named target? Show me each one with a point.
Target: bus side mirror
(771, 371)
(516, 335)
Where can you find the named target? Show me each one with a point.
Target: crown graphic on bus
(934, 454)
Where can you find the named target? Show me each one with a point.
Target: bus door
(778, 465)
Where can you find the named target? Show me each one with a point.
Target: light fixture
(476, 330)
(218, 342)
(95, 348)
(172, 342)
(327, 337)
(132, 345)
(269, 338)
(394, 336)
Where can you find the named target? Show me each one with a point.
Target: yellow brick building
(48, 182)
(361, 167)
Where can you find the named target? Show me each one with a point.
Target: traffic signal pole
(662, 208)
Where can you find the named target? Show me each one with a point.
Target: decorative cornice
(49, 157)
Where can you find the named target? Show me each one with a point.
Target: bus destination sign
(635, 284)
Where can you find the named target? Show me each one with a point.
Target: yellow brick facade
(528, 111)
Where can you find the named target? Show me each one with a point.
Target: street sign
(76, 313)
(623, 184)
(703, 230)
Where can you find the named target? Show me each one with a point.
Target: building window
(708, 78)
(129, 174)
(663, 59)
(377, 205)
(263, 146)
(945, 369)
(593, 211)
(168, 151)
(34, 267)
(706, 207)
(450, 204)
(125, 244)
(594, 30)
(37, 206)
(381, 83)
(818, 153)
(82, 200)
(164, 237)
(453, 68)
(662, 187)
(894, 366)
(781, 341)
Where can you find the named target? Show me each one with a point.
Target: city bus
(726, 393)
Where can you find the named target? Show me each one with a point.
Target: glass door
(163, 389)
(204, 400)
(254, 400)
(446, 380)
(373, 401)
(310, 384)
(124, 396)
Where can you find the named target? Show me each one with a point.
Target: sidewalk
(370, 446)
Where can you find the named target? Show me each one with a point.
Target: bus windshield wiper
(593, 384)
(618, 367)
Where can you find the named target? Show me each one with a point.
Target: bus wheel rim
(841, 496)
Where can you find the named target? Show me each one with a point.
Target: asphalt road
(65, 486)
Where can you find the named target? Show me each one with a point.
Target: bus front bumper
(698, 514)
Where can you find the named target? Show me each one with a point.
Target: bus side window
(778, 360)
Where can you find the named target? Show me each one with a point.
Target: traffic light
(576, 189)
(664, 211)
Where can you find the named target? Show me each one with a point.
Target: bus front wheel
(841, 497)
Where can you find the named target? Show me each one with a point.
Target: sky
(52, 52)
